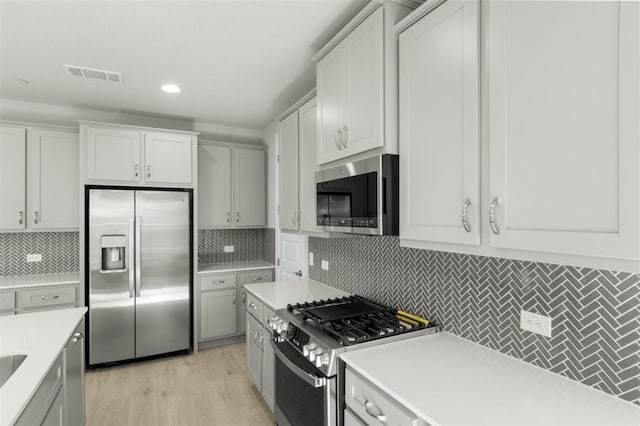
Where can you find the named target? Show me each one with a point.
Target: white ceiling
(239, 63)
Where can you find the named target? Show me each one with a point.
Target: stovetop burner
(353, 319)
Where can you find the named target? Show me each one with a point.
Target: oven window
(351, 201)
(300, 403)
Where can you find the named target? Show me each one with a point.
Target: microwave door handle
(316, 382)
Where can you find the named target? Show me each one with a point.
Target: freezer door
(110, 289)
(163, 272)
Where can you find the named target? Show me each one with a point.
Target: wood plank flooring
(207, 388)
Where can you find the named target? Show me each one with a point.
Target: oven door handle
(316, 382)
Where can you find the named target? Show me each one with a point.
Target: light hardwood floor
(207, 388)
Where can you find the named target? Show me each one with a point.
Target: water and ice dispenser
(114, 248)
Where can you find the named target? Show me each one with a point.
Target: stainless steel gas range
(308, 339)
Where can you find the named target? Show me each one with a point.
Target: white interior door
(293, 249)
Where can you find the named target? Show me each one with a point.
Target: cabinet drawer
(42, 400)
(7, 301)
(256, 277)
(217, 282)
(47, 297)
(368, 402)
(254, 307)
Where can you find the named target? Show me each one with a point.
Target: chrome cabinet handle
(260, 345)
(237, 217)
(492, 222)
(149, 171)
(293, 217)
(136, 170)
(49, 297)
(228, 217)
(244, 298)
(253, 306)
(255, 338)
(345, 141)
(233, 302)
(35, 217)
(20, 217)
(218, 282)
(379, 415)
(256, 279)
(335, 139)
(299, 216)
(465, 222)
(77, 336)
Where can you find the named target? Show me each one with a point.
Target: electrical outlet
(310, 259)
(229, 249)
(325, 265)
(536, 323)
(34, 258)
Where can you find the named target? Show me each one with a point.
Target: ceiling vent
(114, 77)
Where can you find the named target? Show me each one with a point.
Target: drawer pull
(379, 415)
(256, 279)
(49, 297)
(77, 336)
(253, 306)
(219, 282)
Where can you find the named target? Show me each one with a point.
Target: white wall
(31, 112)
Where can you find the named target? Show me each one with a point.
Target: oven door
(304, 396)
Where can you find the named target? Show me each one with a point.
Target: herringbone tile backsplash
(59, 252)
(595, 313)
(247, 245)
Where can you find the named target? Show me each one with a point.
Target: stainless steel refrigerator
(139, 273)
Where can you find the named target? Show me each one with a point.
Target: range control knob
(312, 354)
(273, 321)
(322, 359)
(281, 326)
(306, 349)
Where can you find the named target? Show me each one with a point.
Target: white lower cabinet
(40, 298)
(372, 404)
(217, 313)
(260, 356)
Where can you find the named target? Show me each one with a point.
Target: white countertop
(278, 294)
(39, 280)
(41, 336)
(447, 380)
(234, 266)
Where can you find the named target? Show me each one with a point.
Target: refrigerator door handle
(138, 244)
(132, 261)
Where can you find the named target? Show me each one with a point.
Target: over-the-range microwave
(360, 197)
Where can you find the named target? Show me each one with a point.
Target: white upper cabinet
(289, 181)
(351, 92)
(563, 127)
(249, 174)
(231, 186)
(298, 136)
(12, 177)
(214, 186)
(38, 179)
(113, 154)
(167, 158)
(357, 85)
(439, 126)
(53, 179)
(130, 155)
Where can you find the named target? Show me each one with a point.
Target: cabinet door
(330, 81)
(214, 186)
(55, 412)
(113, 154)
(307, 169)
(12, 177)
(289, 172)
(563, 126)
(242, 310)
(254, 354)
(439, 137)
(167, 158)
(268, 370)
(217, 313)
(363, 115)
(74, 377)
(53, 179)
(249, 173)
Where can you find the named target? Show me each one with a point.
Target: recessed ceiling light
(171, 88)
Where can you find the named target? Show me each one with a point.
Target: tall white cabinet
(13, 155)
(298, 136)
(439, 126)
(564, 106)
(214, 181)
